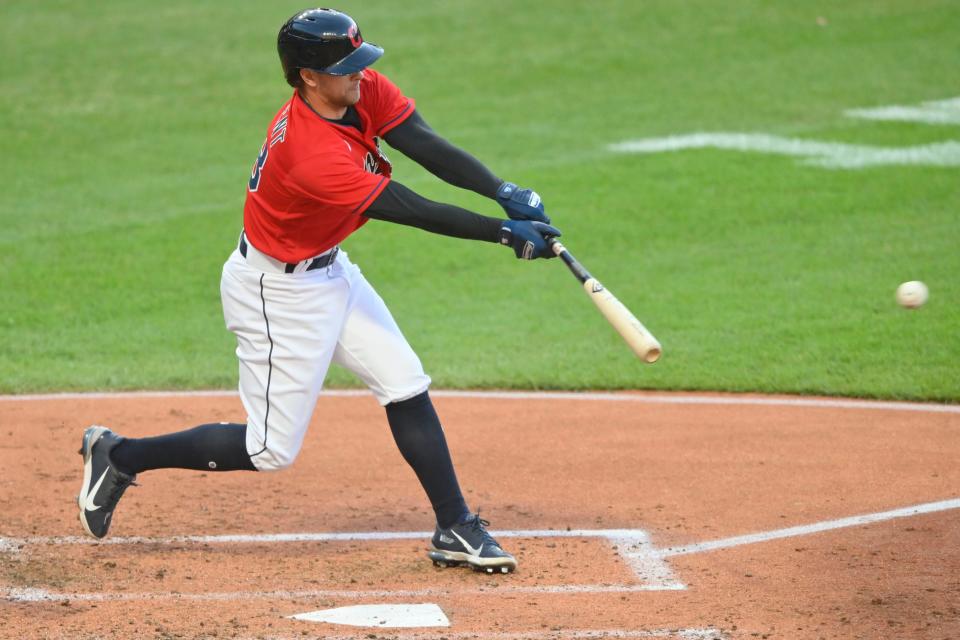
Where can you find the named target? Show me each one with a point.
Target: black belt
(317, 263)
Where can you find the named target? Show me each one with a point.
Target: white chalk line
(935, 112)
(43, 595)
(802, 530)
(644, 398)
(831, 155)
(279, 538)
(633, 545)
(557, 634)
(620, 536)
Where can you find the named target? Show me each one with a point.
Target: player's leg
(460, 537)
(286, 337)
(286, 328)
(419, 436)
(372, 346)
(111, 463)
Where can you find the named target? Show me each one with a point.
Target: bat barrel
(637, 336)
(640, 340)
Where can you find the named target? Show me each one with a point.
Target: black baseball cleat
(103, 484)
(469, 543)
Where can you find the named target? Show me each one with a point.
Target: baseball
(912, 294)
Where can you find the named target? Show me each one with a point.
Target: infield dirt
(682, 473)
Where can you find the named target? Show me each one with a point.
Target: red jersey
(314, 178)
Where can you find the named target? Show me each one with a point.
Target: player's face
(340, 91)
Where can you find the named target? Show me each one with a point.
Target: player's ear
(309, 77)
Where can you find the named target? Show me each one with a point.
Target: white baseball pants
(289, 328)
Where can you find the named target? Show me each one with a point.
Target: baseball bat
(630, 329)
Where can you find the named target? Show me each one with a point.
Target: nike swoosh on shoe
(90, 505)
(473, 551)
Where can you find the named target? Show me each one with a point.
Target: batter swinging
(296, 302)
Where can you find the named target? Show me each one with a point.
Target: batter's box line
(808, 529)
(648, 562)
(633, 545)
(34, 594)
(558, 634)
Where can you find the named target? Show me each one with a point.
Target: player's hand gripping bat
(632, 330)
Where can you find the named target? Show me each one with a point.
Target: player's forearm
(399, 204)
(419, 142)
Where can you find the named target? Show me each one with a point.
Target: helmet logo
(354, 34)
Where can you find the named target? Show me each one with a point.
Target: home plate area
(312, 584)
(426, 615)
(380, 615)
(643, 570)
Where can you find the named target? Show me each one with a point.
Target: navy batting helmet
(323, 40)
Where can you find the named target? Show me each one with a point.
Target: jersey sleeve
(336, 183)
(388, 106)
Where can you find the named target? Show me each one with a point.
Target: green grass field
(129, 129)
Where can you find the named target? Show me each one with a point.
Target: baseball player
(296, 302)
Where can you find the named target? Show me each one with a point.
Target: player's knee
(417, 386)
(273, 459)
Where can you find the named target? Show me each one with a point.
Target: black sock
(419, 436)
(209, 447)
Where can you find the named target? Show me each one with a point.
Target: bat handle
(555, 245)
(578, 270)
